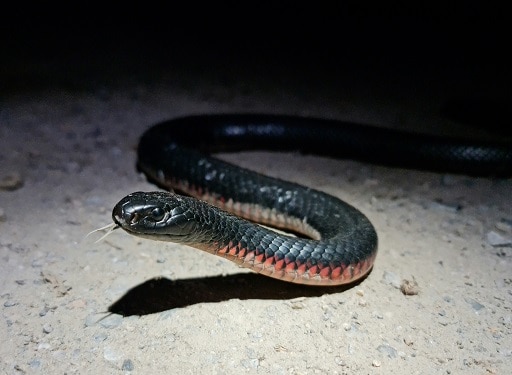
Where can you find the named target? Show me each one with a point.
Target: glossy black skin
(174, 155)
(339, 139)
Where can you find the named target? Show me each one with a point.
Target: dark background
(458, 50)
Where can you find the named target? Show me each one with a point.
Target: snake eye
(158, 213)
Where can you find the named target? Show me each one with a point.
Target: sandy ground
(127, 305)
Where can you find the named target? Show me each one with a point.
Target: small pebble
(10, 303)
(44, 346)
(409, 288)
(100, 337)
(477, 306)
(377, 314)
(448, 299)
(111, 321)
(35, 363)
(46, 309)
(391, 278)
(339, 361)
(444, 206)
(91, 320)
(127, 365)
(408, 341)
(504, 225)
(47, 328)
(376, 363)
(110, 354)
(250, 363)
(11, 182)
(387, 350)
(495, 239)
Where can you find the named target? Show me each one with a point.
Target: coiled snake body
(342, 242)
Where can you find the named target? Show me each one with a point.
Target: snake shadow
(161, 294)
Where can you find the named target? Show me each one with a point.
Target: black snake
(341, 244)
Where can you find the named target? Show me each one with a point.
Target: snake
(216, 206)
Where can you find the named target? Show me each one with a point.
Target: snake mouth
(121, 218)
(132, 222)
(126, 220)
(119, 221)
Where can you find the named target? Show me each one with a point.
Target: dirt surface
(438, 300)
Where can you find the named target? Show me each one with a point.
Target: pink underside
(300, 273)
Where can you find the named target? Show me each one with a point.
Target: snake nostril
(132, 218)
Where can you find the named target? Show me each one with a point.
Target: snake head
(155, 215)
